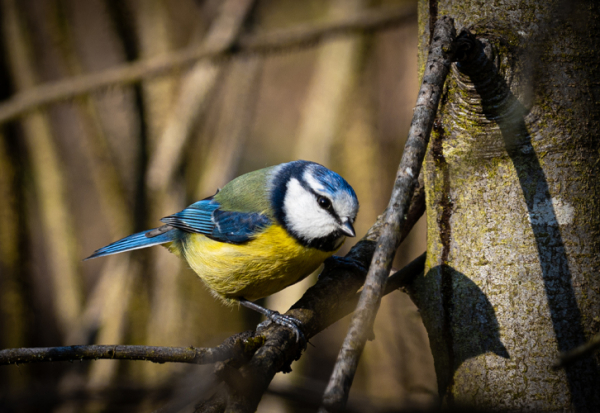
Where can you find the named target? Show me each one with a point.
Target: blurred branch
(578, 353)
(234, 125)
(192, 97)
(276, 41)
(438, 63)
(336, 69)
(102, 305)
(48, 175)
(194, 92)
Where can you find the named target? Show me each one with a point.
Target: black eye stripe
(330, 210)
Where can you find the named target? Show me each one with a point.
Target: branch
(276, 41)
(274, 349)
(239, 346)
(194, 93)
(578, 353)
(325, 299)
(438, 63)
(321, 305)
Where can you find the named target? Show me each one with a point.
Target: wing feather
(205, 217)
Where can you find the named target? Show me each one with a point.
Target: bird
(262, 232)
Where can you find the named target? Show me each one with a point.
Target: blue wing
(195, 218)
(205, 217)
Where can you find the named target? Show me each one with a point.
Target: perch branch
(276, 41)
(241, 345)
(330, 299)
(578, 353)
(321, 305)
(438, 64)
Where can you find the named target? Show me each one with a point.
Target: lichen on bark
(512, 208)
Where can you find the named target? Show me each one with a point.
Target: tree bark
(511, 277)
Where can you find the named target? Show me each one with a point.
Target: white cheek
(303, 215)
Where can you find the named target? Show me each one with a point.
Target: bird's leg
(283, 320)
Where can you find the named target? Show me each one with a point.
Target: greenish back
(247, 193)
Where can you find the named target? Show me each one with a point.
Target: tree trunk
(513, 207)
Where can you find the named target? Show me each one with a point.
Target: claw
(286, 321)
(283, 320)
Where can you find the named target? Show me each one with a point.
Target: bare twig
(241, 345)
(438, 63)
(578, 353)
(331, 298)
(276, 41)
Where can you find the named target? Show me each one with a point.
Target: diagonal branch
(438, 63)
(239, 346)
(276, 41)
(194, 93)
(321, 305)
(331, 298)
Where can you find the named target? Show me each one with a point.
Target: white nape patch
(303, 215)
(552, 212)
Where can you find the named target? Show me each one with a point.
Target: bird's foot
(273, 316)
(286, 321)
(347, 263)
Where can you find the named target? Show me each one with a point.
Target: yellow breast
(261, 267)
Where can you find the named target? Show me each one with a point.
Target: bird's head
(315, 205)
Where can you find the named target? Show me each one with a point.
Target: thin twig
(191, 355)
(243, 344)
(578, 353)
(277, 41)
(321, 305)
(438, 63)
(330, 299)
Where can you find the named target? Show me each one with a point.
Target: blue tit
(259, 234)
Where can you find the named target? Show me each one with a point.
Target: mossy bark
(513, 208)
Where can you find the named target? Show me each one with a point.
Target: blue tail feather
(135, 242)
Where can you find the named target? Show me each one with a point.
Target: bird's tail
(144, 239)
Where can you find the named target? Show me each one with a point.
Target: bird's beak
(347, 228)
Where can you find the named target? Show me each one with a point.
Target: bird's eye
(324, 202)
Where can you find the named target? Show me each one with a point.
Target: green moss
(253, 343)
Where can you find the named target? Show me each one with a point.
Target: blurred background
(79, 172)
